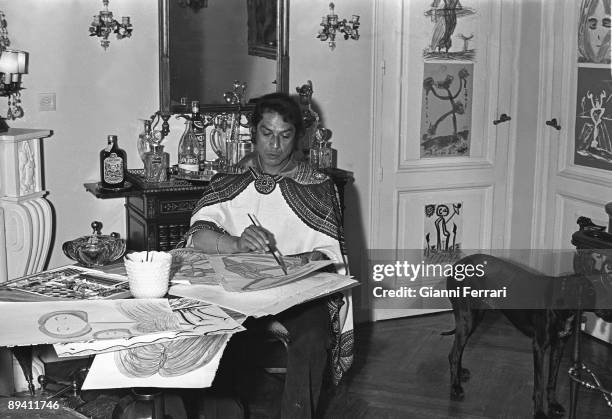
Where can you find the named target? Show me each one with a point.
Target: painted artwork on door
(446, 110)
(443, 228)
(594, 32)
(593, 146)
(445, 15)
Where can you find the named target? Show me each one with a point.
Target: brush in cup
(148, 273)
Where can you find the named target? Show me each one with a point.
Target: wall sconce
(13, 64)
(332, 24)
(195, 5)
(103, 25)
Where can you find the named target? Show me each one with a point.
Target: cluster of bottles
(192, 145)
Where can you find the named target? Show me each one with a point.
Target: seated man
(299, 213)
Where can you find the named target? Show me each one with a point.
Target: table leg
(575, 363)
(24, 357)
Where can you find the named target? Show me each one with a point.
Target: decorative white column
(25, 215)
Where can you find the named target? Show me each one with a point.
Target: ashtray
(127, 186)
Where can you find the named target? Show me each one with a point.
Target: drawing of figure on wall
(443, 229)
(444, 15)
(594, 32)
(444, 239)
(594, 118)
(446, 118)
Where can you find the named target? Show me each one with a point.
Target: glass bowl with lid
(95, 249)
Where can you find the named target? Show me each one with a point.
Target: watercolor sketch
(184, 363)
(593, 145)
(594, 32)
(196, 318)
(31, 323)
(445, 15)
(191, 266)
(443, 228)
(446, 110)
(256, 271)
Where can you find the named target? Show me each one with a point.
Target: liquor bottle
(156, 163)
(200, 133)
(113, 165)
(188, 150)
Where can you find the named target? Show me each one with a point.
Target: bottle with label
(200, 133)
(156, 163)
(188, 150)
(113, 165)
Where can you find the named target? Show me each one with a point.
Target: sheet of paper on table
(191, 266)
(246, 272)
(181, 363)
(32, 323)
(196, 318)
(268, 301)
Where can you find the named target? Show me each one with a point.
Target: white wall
(342, 82)
(98, 93)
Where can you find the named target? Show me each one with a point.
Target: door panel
(436, 143)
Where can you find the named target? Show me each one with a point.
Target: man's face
(274, 141)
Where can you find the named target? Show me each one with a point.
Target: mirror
(202, 52)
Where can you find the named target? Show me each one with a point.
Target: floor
(401, 371)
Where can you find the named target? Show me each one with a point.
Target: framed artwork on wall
(261, 26)
(593, 145)
(446, 109)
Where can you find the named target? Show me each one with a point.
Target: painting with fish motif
(452, 35)
(593, 145)
(446, 110)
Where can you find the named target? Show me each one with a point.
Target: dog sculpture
(539, 306)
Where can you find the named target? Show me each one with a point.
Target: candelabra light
(195, 5)
(13, 64)
(104, 24)
(332, 24)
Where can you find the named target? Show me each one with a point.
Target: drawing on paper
(444, 15)
(142, 317)
(446, 110)
(594, 32)
(593, 145)
(443, 230)
(191, 266)
(196, 318)
(169, 359)
(256, 271)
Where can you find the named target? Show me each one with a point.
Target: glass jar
(156, 163)
(325, 155)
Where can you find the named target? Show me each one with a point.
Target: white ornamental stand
(25, 222)
(25, 215)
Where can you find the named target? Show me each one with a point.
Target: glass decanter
(156, 162)
(145, 138)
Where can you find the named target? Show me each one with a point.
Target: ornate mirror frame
(282, 59)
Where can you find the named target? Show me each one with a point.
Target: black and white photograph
(295, 209)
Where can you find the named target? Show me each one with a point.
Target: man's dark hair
(282, 104)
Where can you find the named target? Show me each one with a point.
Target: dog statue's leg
(539, 349)
(556, 353)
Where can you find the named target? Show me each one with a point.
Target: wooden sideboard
(158, 214)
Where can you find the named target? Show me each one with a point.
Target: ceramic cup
(148, 273)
